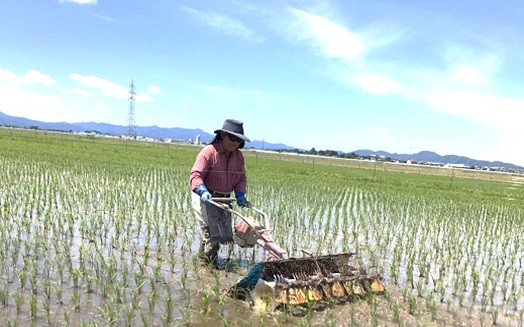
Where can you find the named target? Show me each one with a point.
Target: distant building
(449, 165)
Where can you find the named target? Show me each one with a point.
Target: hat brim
(240, 136)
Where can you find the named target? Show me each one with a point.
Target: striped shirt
(219, 170)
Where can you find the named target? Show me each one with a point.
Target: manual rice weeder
(294, 281)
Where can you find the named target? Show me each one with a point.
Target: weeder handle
(263, 239)
(217, 202)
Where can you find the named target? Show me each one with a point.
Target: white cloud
(468, 66)
(106, 87)
(31, 77)
(463, 87)
(337, 42)
(78, 91)
(228, 25)
(142, 97)
(81, 2)
(484, 108)
(378, 84)
(18, 98)
(17, 102)
(106, 18)
(153, 89)
(109, 88)
(468, 75)
(334, 40)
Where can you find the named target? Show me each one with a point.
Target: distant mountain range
(174, 133)
(428, 156)
(184, 134)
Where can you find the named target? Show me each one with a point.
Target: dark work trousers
(215, 223)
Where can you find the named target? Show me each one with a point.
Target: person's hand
(241, 199)
(205, 196)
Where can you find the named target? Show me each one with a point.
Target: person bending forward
(218, 170)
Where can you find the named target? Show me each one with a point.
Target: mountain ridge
(175, 133)
(433, 157)
(184, 134)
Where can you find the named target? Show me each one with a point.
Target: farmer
(218, 171)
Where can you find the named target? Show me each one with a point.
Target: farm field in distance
(98, 232)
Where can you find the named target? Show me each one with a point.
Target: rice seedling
(19, 298)
(167, 317)
(494, 315)
(32, 301)
(396, 312)
(412, 303)
(113, 224)
(4, 296)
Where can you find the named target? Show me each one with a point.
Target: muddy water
(187, 292)
(194, 294)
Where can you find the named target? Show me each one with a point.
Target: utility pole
(131, 131)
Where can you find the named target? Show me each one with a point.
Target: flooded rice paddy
(106, 244)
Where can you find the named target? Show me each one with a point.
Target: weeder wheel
(315, 294)
(338, 290)
(296, 296)
(263, 296)
(377, 287)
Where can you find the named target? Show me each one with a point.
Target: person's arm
(240, 170)
(200, 169)
(198, 173)
(241, 185)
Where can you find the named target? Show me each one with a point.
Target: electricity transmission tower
(131, 131)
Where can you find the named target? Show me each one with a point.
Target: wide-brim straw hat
(235, 128)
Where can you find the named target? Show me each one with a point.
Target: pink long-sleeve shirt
(219, 170)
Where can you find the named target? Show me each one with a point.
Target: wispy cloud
(332, 39)
(81, 92)
(153, 89)
(227, 25)
(108, 88)
(472, 67)
(31, 77)
(461, 84)
(106, 18)
(487, 109)
(142, 97)
(348, 48)
(377, 84)
(81, 2)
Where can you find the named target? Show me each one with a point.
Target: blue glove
(241, 199)
(205, 196)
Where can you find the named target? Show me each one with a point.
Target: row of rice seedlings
(465, 253)
(75, 242)
(118, 239)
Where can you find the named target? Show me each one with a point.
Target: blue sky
(400, 76)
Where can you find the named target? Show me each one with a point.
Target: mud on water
(194, 294)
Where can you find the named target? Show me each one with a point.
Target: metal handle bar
(217, 203)
(263, 239)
